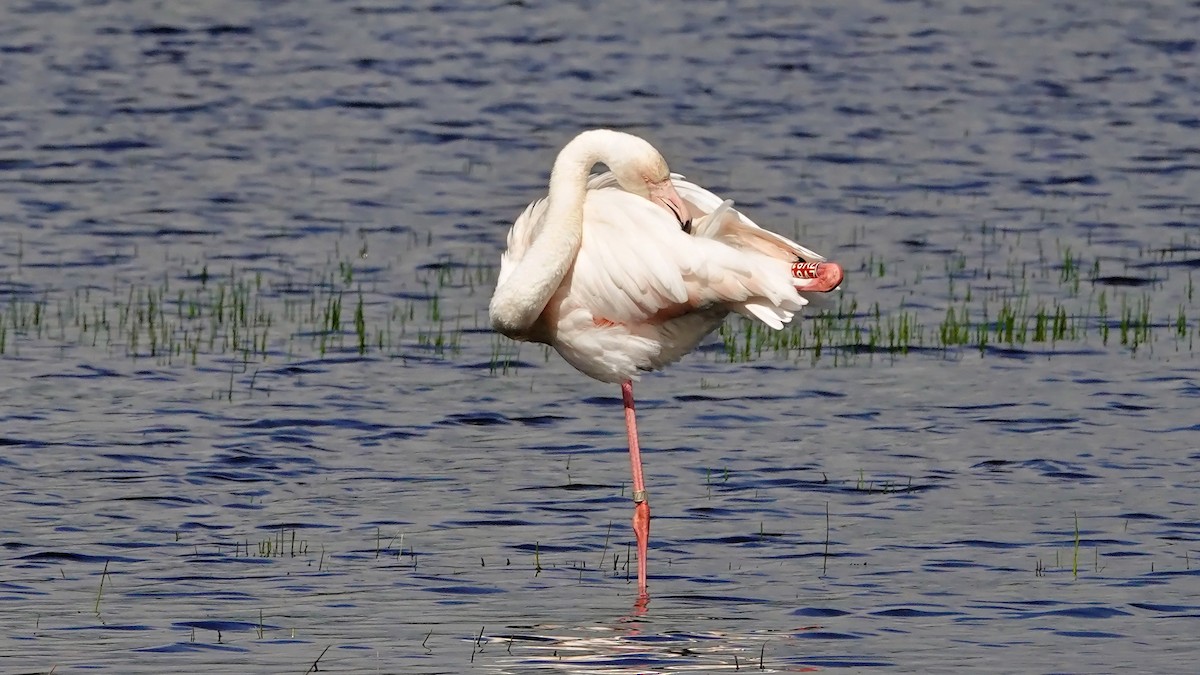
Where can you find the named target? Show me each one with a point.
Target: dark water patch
(44, 207)
(728, 419)
(215, 593)
(88, 372)
(1050, 349)
(847, 159)
(897, 485)
(64, 556)
(244, 507)
(703, 598)
(218, 625)
(522, 637)
(825, 635)
(995, 465)
(540, 420)
(981, 406)
(338, 423)
(281, 439)
(864, 348)
(164, 429)
(866, 416)
(185, 647)
(1018, 603)
(393, 435)
(575, 448)
(1125, 407)
(1172, 47)
(952, 564)
(1125, 281)
(365, 104)
(1088, 542)
(116, 145)
(295, 525)
(491, 366)
(987, 544)
(159, 30)
(547, 548)
(1187, 263)
(574, 487)
(124, 545)
(291, 465)
(117, 627)
(1163, 170)
(463, 590)
(237, 561)
(614, 403)
(697, 398)
(207, 475)
(1166, 609)
(1088, 612)
(494, 522)
(180, 109)
(819, 612)
(1185, 120)
(788, 468)
(1054, 469)
(182, 232)
(1087, 634)
(477, 419)
(1126, 554)
(750, 540)
(713, 511)
(168, 501)
(196, 525)
(1181, 224)
(219, 29)
(848, 661)
(630, 663)
(965, 187)
(1175, 573)
(914, 612)
(6, 441)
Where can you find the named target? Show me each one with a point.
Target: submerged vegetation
(1018, 295)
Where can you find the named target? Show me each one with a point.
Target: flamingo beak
(664, 193)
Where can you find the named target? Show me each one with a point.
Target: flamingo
(627, 271)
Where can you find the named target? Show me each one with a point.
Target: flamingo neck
(519, 302)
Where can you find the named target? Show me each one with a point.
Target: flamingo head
(645, 173)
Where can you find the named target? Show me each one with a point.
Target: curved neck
(519, 302)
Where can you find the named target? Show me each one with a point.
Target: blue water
(442, 501)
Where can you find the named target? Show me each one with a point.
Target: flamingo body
(642, 292)
(626, 271)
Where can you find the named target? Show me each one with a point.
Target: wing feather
(741, 229)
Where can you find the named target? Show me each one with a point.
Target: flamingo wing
(636, 265)
(738, 231)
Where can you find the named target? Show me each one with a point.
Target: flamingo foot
(819, 277)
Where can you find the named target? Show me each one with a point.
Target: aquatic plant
(1013, 297)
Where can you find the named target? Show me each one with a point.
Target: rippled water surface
(253, 419)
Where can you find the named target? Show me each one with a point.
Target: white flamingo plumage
(629, 270)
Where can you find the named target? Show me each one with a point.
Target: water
(207, 467)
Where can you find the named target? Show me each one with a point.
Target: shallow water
(429, 498)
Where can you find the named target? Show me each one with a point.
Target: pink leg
(641, 509)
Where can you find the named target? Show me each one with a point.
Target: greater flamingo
(628, 271)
